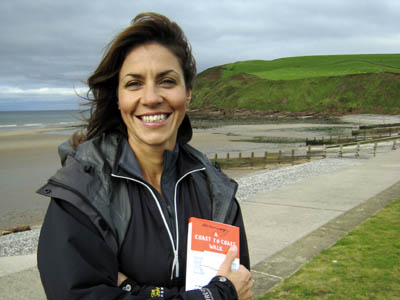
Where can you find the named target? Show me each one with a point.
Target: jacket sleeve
(244, 249)
(235, 218)
(75, 263)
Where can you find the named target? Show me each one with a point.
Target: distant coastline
(25, 120)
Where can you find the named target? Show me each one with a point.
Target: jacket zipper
(175, 246)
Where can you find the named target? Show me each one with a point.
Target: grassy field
(365, 264)
(324, 84)
(315, 66)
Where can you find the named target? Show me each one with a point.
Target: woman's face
(152, 96)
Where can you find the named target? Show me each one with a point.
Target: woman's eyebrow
(162, 74)
(159, 75)
(133, 75)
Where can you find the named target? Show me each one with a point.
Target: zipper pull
(175, 266)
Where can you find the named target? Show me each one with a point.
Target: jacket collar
(176, 162)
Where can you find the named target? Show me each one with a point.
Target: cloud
(55, 45)
(43, 91)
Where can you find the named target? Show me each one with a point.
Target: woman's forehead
(151, 57)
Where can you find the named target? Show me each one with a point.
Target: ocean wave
(8, 126)
(33, 125)
(68, 123)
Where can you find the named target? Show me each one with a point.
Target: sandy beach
(29, 157)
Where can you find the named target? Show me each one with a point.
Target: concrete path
(285, 227)
(288, 226)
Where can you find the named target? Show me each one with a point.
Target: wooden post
(375, 148)
(309, 153)
(341, 151)
(265, 157)
(358, 150)
(292, 156)
(252, 158)
(215, 157)
(227, 156)
(240, 155)
(279, 156)
(394, 145)
(324, 152)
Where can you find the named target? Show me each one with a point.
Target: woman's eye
(133, 84)
(168, 82)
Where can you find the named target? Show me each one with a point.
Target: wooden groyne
(265, 159)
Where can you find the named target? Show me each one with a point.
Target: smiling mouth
(154, 118)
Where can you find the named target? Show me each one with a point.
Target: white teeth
(154, 118)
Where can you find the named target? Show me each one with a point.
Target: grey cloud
(58, 44)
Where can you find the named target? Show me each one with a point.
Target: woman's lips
(154, 120)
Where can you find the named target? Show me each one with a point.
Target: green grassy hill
(323, 84)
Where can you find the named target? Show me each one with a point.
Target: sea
(18, 120)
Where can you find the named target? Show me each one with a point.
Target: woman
(116, 227)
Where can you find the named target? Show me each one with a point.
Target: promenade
(286, 227)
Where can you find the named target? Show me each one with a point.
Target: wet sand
(29, 158)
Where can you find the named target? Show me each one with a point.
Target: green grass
(365, 264)
(333, 84)
(315, 66)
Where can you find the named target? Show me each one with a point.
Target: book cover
(208, 243)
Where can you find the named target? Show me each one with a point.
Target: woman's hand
(241, 279)
(121, 278)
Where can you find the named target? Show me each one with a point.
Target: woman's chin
(157, 141)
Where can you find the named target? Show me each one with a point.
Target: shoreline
(28, 157)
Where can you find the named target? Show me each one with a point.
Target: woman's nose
(151, 95)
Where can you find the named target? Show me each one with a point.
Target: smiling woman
(129, 183)
(152, 97)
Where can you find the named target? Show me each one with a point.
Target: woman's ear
(188, 96)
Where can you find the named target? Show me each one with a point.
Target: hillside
(335, 84)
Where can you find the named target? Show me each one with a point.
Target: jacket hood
(185, 131)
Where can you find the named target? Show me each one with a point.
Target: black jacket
(105, 218)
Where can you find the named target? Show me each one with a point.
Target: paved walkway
(285, 227)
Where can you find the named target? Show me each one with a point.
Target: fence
(295, 156)
(363, 134)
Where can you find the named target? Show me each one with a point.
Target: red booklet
(208, 243)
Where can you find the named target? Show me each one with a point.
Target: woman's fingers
(226, 266)
(241, 279)
(121, 278)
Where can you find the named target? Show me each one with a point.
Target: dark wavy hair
(104, 115)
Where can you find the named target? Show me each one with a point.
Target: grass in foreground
(365, 264)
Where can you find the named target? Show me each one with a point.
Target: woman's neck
(151, 162)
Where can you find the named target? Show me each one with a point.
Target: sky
(49, 48)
